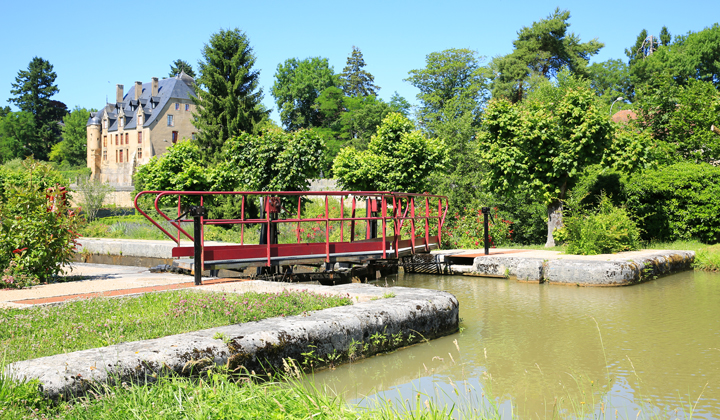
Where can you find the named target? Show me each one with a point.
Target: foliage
(466, 230)
(298, 84)
(354, 80)
(398, 158)
(400, 104)
(37, 228)
(180, 169)
(32, 91)
(228, 94)
(608, 229)
(72, 150)
(680, 201)
(633, 150)
(48, 330)
(697, 109)
(17, 132)
(93, 193)
(544, 49)
(179, 66)
(691, 56)
(452, 85)
(611, 79)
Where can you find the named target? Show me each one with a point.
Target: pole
(486, 213)
(197, 212)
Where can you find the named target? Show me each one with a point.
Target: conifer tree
(228, 96)
(181, 66)
(356, 81)
(33, 89)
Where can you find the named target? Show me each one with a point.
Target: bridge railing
(392, 210)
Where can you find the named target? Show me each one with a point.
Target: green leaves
(398, 158)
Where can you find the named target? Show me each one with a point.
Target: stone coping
(621, 269)
(381, 319)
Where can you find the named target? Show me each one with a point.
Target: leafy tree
(228, 94)
(543, 146)
(610, 80)
(398, 158)
(354, 80)
(180, 169)
(692, 56)
(298, 84)
(4, 111)
(697, 109)
(400, 104)
(73, 148)
(665, 36)
(179, 66)
(33, 89)
(451, 84)
(17, 130)
(542, 49)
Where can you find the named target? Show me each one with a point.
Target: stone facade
(141, 124)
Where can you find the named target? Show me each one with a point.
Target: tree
(451, 84)
(398, 158)
(228, 94)
(542, 49)
(544, 145)
(611, 79)
(33, 89)
(354, 80)
(179, 66)
(17, 130)
(400, 104)
(73, 148)
(697, 109)
(298, 84)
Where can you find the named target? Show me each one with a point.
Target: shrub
(93, 193)
(680, 201)
(608, 229)
(466, 230)
(37, 228)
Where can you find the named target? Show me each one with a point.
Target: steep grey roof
(178, 87)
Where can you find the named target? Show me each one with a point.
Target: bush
(37, 228)
(93, 193)
(680, 201)
(608, 229)
(466, 230)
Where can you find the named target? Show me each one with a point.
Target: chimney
(138, 90)
(154, 86)
(119, 93)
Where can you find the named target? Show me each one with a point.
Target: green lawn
(47, 330)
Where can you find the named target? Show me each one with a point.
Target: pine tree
(356, 81)
(181, 66)
(228, 96)
(33, 89)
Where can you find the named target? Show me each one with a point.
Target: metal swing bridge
(395, 225)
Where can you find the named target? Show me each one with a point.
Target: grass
(47, 330)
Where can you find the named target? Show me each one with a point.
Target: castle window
(177, 106)
(121, 121)
(139, 153)
(116, 156)
(187, 107)
(121, 156)
(139, 137)
(105, 155)
(105, 124)
(171, 121)
(174, 137)
(116, 139)
(105, 142)
(127, 138)
(140, 118)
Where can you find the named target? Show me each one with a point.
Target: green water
(535, 349)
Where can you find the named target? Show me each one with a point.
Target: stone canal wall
(382, 319)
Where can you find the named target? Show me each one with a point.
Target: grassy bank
(47, 330)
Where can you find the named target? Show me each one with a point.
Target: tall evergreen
(181, 66)
(228, 96)
(356, 81)
(33, 89)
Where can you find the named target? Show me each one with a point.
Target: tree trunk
(554, 212)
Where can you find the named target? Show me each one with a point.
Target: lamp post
(620, 98)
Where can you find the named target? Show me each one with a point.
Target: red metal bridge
(391, 224)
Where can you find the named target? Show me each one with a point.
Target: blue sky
(94, 46)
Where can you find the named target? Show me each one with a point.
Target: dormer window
(105, 124)
(140, 119)
(121, 122)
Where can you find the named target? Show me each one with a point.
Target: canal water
(531, 350)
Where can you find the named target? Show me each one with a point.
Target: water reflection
(537, 348)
